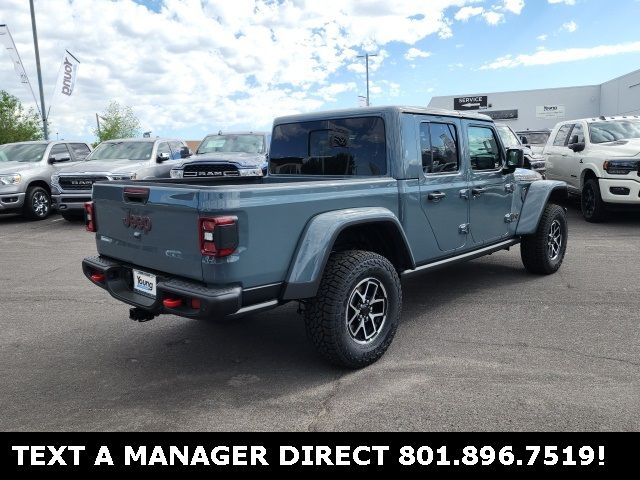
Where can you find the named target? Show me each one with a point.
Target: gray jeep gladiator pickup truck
(354, 199)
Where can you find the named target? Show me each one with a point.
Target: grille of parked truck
(127, 159)
(354, 200)
(599, 159)
(242, 154)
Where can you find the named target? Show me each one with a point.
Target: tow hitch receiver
(141, 315)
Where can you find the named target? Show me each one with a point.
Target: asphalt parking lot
(482, 346)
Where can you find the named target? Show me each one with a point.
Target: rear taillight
(218, 236)
(90, 216)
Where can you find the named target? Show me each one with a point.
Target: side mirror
(163, 157)
(515, 159)
(576, 145)
(62, 157)
(185, 152)
(524, 140)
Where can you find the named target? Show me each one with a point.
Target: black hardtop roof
(364, 111)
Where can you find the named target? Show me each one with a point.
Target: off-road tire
(37, 203)
(535, 250)
(594, 210)
(326, 314)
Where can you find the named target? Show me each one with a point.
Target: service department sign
(471, 103)
(550, 111)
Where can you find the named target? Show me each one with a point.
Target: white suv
(599, 158)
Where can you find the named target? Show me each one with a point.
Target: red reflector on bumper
(195, 304)
(98, 277)
(172, 302)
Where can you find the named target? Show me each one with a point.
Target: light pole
(43, 110)
(366, 59)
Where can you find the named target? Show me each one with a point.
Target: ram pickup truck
(354, 200)
(25, 174)
(599, 159)
(241, 154)
(125, 159)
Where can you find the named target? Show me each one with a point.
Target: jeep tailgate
(153, 227)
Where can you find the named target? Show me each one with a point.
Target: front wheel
(356, 312)
(37, 203)
(543, 252)
(593, 208)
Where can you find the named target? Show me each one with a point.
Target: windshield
(603, 132)
(25, 152)
(232, 144)
(508, 137)
(536, 138)
(122, 150)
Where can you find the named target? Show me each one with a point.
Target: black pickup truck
(354, 200)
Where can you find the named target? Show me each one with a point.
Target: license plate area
(144, 283)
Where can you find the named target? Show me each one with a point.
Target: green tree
(16, 125)
(118, 121)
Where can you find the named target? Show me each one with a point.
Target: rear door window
(439, 148)
(348, 146)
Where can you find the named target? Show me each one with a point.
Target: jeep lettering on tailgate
(137, 222)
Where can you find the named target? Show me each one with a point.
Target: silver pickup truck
(25, 174)
(127, 159)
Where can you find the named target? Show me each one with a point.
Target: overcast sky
(189, 67)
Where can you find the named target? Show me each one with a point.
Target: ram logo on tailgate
(137, 222)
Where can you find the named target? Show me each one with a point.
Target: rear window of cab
(337, 147)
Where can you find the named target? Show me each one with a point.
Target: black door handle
(478, 191)
(437, 196)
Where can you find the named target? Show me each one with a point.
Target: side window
(579, 131)
(175, 149)
(59, 150)
(438, 148)
(341, 146)
(563, 134)
(484, 149)
(80, 150)
(164, 148)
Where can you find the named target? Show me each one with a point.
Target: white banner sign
(550, 111)
(8, 45)
(68, 74)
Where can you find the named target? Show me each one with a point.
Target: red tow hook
(98, 277)
(172, 302)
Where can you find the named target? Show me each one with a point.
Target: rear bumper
(214, 302)
(70, 201)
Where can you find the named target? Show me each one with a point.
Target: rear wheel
(37, 203)
(543, 252)
(593, 208)
(356, 312)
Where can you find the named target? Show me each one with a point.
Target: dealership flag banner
(9, 46)
(67, 75)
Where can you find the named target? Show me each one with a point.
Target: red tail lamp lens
(90, 216)
(218, 236)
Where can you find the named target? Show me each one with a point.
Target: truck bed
(271, 212)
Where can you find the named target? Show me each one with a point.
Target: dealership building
(541, 109)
